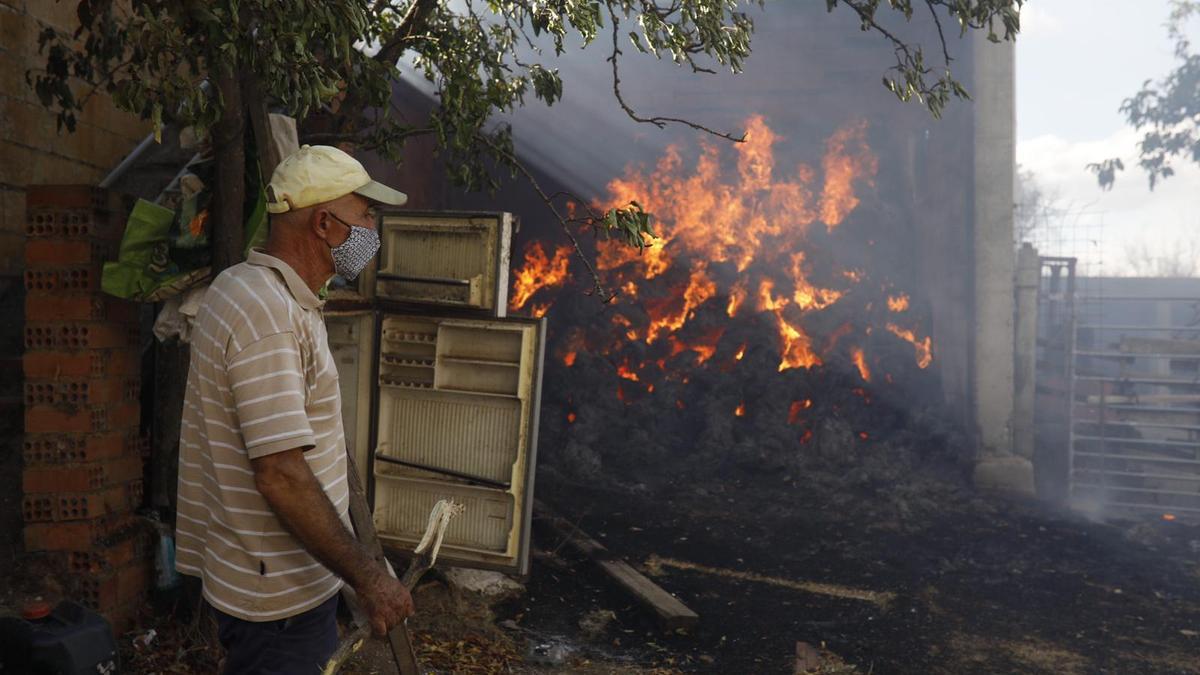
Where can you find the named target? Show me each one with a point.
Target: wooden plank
(672, 614)
(399, 639)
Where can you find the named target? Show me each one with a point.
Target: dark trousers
(297, 645)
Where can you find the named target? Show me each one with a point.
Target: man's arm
(294, 494)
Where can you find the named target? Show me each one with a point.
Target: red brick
(77, 335)
(71, 197)
(81, 477)
(84, 279)
(43, 253)
(77, 392)
(95, 364)
(114, 589)
(73, 224)
(80, 535)
(41, 449)
(38, 508)
(83, 419)
(97, 503)
(106, 557)
(60, 306)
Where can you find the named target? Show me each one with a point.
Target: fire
(860, 360)
(571, 418)
(864, 435)
(924, 347)
(571, 346)
(699, 289)
(705, 346)
(796, 409)
(1168, 517)
(737, 296)
(625, 372)
(736, 233)
(847, 159)
(806, 295)
(898, 303)
(539, 272)
(711, 216)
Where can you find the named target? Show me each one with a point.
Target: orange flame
(699, 289)
(714, 215)
(795, 410)
(737, 296)
(740, 411)
(625, 372)
(924, 347)
(860, 360)
(571, 346)
(847, 158)
(570, 418)
(740, 352)
(539, 272)
(898, 303)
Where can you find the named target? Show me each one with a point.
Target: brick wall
(81, 481)
(32, 152)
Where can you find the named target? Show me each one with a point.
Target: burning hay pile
(771, 324)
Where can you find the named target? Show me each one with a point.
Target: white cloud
(1100, 227)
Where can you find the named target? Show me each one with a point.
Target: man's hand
(385, 601)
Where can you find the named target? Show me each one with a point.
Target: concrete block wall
(82, 456)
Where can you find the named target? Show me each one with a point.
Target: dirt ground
(917, 576)
(947, 583)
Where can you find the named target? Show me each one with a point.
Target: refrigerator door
(445, 259)
(352, 342)
(458, 403)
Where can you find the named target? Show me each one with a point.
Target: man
(263, 513)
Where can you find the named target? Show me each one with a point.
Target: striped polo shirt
(262, 380)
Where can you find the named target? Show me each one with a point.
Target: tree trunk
(259, 116)
(229, 193)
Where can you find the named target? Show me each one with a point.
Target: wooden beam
(399, 639)
(672, 614)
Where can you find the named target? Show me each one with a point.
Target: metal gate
(1126, 370)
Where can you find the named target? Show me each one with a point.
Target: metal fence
(1118, 388)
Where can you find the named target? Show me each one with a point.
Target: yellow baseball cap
(315, 174)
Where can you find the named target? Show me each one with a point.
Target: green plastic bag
(164, 253)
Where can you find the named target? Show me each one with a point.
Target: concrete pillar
(993, 362)
(1029, 270)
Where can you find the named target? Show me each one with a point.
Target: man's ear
(321, 223)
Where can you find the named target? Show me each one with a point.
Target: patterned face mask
(350, 257)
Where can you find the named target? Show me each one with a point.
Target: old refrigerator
(440, 389)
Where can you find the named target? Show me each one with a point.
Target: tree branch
(659, 122)
(413, 23)
(598, 288)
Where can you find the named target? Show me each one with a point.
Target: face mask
(350, 258)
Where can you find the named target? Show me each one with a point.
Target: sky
(1076, 61)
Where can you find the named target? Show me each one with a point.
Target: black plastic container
(70, 640)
